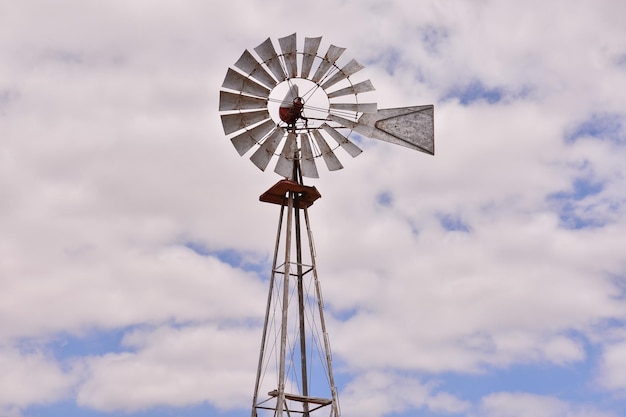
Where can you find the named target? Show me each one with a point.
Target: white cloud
(519, 404)
(31, 377)
(83, 287)
(531, 286)
(381, 393)
(612, 371)
(174, 367)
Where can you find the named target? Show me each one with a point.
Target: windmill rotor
(293, 105)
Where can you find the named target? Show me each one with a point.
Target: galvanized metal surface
(248, 64)
(288, 47)
(335, 409)
(362, 87)
(280, 400)
(270, 58)
(311, 45)
(332, 55)
(304, 368)
(231, 101)
(261, 158)
(307, 161)
(355, 107)
(332, 162)
(237, 121)
(412, 127)
(284, 166)
(235, 81)
(268, 308)
(349, 69)
(343, 141)
(246, 140)
(246, 96)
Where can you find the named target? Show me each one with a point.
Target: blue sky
(487, 280)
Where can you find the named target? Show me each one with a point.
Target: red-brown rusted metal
(277, 194)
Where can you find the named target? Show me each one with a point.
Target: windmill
(296, 107)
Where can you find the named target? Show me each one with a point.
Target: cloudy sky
(488, 280)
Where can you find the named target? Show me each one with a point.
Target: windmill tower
(300, 106)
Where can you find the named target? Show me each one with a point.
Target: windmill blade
(350, 124)
(231, 101)
(284, 166)
(246, 140)
(236, 81)
(262, 156)
(349, 69)
(362, 87)
(343, 141)
(307, 160)
(288, 46)
(311, 45)
(268, 54)
(360, 107)
(237, 121)
(248, 64)
(412, 127)
(333, 54)
(329, 156)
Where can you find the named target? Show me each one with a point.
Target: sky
(488, 280)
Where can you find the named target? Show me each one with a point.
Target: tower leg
(266, 322)
(294, 373)
(302, 327)
(320, 306)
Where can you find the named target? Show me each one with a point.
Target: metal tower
(294, 326)
(273, 100)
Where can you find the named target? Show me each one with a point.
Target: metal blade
(345, 143)
(231, 101)
(334, 52)
(248, 64)
(246, 140)
(311, 45)
(268, 54)
(307, 161)
(412, 127)
(237, 121)
(329, 156)
(349, 69)
(362, 87)
(284, 166)
(238, 82)
(360, 107)
(288, 46)
(262, 156)
(350, 124)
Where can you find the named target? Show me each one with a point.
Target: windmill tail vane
(297, 106)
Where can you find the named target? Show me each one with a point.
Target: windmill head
(299, 106)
